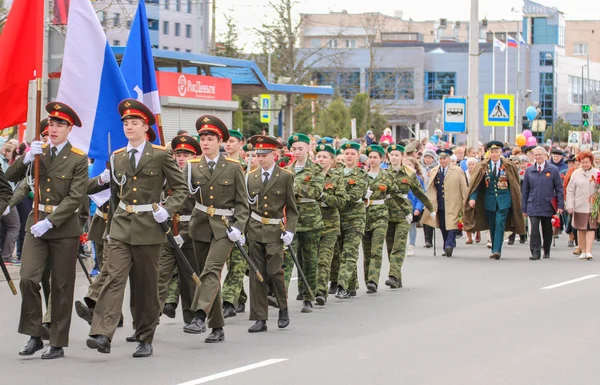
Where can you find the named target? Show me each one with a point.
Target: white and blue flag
(137, 65)
(92, 84)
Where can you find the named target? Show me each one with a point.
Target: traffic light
(585, 115)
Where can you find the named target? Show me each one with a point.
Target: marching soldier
(219, 190)
(185, 148)
(331, 200)
(233, 286)
(63, 179)
(308, 186)
(272, 200)
(134, 234)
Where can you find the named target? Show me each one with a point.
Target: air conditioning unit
(443, 23)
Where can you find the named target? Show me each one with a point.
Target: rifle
(293, 255)
(243, 252)
(178, 253)
(7, 276)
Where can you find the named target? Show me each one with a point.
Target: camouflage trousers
(173, 289)
(349, 244)
(326, 251)
(372, 244)
(397, 235)
(306, 246)
(335, 261)
(233, 286)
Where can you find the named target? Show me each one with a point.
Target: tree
(561, 131)
(228, 46)
(334, 120)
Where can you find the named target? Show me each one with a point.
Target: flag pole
(506, 77)
(161, 135)
(36, 162)
(494, 73)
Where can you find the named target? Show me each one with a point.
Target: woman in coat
(581, 188)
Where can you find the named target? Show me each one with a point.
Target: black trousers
(535, 243)
(428, 232)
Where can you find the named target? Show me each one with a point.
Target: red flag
(21, 44)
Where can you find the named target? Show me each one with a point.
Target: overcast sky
(250, 13)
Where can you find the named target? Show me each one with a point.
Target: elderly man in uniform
(447, 191)
(54, 239)
(219, 190)
(494, 193)
(272, 200)
(134, 232)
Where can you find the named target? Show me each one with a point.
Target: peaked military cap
(61, 112)
(211, 125)
(263, 144)
(186, 143)
(442, 153)
(44, 127)
(131, 109)
(494, 144)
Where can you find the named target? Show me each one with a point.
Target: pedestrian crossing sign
(498, 110)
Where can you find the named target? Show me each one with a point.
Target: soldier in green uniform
(272, 200)
(185, 148)
(308, 186)
(353, 218)
(400, 213)
(138, 174)
(331, 200)
(233, 286)
(219, 190)
(54, 239)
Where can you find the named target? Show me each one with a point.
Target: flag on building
(137, 65)
(522, 41)
(92, 84)
(511, 42)
(499, 44)
(21, 44)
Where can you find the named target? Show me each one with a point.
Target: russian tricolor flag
(511, 42)
(92, 84)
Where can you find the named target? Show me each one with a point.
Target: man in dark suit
(543, 196)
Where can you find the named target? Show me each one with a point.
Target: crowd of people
(171, 218)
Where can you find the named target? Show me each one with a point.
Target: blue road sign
(455, 114)
(498, 110)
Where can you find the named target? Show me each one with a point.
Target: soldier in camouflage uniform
(308, 187)
(233, 286)
(400, 213)
(332, 199)
(353, 217)
(335, 262)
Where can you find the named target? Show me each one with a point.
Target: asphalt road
(458, 321)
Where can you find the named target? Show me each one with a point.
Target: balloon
(527, 134)
(531, 113)
(521, 140)
(532, 141)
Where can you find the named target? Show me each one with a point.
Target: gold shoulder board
(233, 160)
(196, 160)
(77, 151)
(119, 150)
(157, 147)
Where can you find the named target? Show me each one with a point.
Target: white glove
(287, 238)
(34, 149)
(179, 240)
(409, 218)
(41, 228)
(6, 211)
(160, 215)
(234, 235)
(108, 238)
(433, 214)
(368, 194)
(242, 240)
(105, 176)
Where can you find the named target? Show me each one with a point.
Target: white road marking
(570, 282)
(232, 372)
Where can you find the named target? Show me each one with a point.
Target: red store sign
(193, 86)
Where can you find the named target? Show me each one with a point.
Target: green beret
(350, 145)
(236, 134)
(339, 151)
(247, 147)
(395, 147)
(376, 148)
(326, 147)
(298, 138)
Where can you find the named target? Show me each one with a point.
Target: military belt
(265, 221)
(184, 218)
(213, 211)
(101, 214)
(136, 208)
(49, 209)
(306, 200)
(376, 202)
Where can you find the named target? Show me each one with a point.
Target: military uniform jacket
(98, 225)
(186, 209)
(274, 201)
(63, 183)
(224, 188)
(399, 205)
(381, 186)
(308, 186)
(353, 214)
(332, 199)
(143, 186)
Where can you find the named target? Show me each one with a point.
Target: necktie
(266, 174)
(211, 166)
(53, 153)
(132, 158)
(494, 170)
(539, 169)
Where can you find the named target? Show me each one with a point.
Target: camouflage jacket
(333, 198)
(308, 186)
(353, 214)
(399, 205)
(377, 211)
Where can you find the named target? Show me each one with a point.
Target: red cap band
(62, 116)
(212, 129)
(135, 113)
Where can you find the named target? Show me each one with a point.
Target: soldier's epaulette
(77, 151)
(233, 160)
(45, 145)
(288, 171)
(119, 150)
(195, 160)
(251, 171)
(157, 147)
